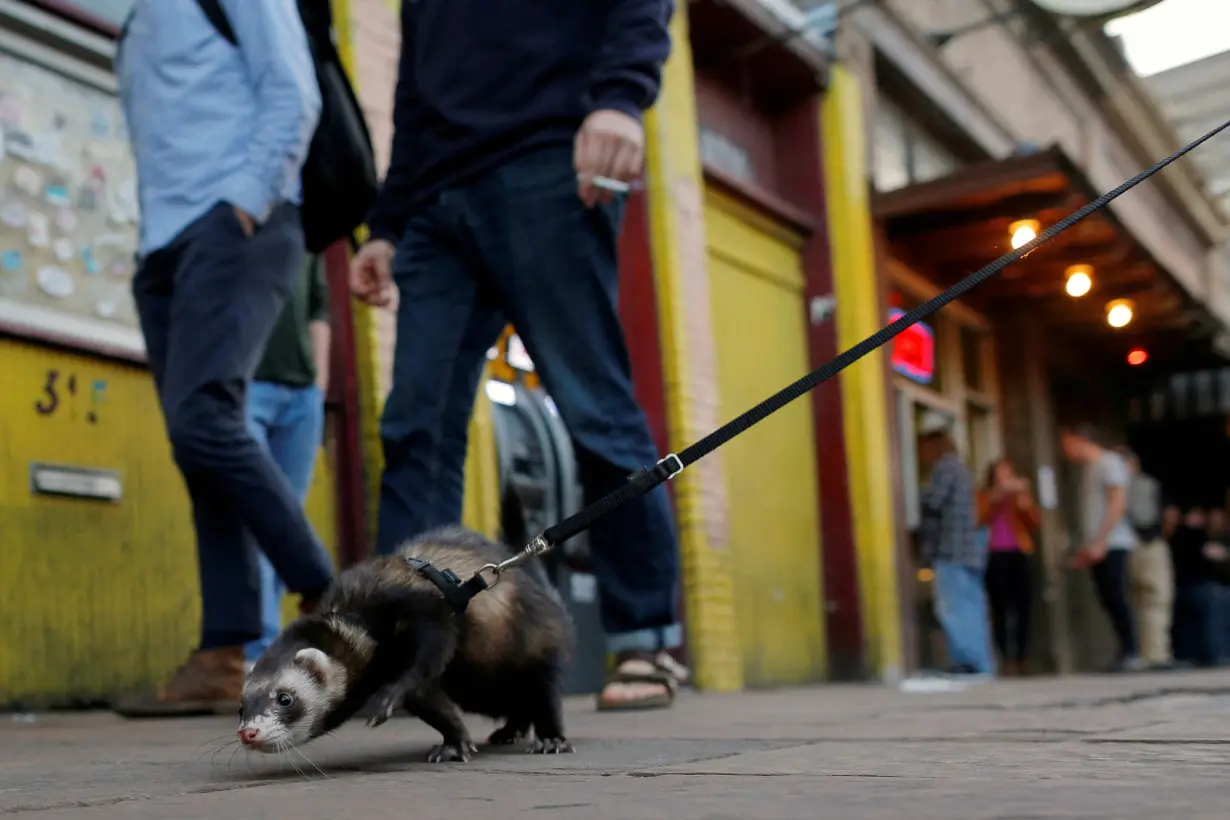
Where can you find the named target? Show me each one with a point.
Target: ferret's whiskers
(201, 750)
(284, 747)
(299, 752)
(213, 759)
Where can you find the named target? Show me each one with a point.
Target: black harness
(458, 594)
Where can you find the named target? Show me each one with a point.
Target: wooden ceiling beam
(1020, 206)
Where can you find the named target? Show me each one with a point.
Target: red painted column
(801, 164)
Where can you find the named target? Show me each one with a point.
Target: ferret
(384, 635)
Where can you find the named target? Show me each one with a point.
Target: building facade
(991, 116)
(810, 174)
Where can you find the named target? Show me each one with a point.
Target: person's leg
(1110, 578)
(999, 593)
(446, 322)
(961, 610)
(555, 266)
(1183, 625)
(293, 441)
(228, 291)
(263, 413)
(1023, 604)
(1146, 576)
(212, 677)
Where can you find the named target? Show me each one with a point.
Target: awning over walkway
(949, 227)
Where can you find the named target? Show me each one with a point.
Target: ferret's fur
(383, 634)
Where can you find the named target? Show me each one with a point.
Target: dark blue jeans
(1199, 630)
(207, 305)
(289, 422)
(517, 245)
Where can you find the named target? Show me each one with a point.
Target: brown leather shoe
(210, 682)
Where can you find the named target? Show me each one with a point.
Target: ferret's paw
(383, 703)
(452, 752)
(507, 735)
(550, 746)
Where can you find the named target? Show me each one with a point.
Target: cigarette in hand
(609, 184)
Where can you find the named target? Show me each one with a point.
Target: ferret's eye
(285, 699)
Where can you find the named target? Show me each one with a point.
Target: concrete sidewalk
(1107, 747)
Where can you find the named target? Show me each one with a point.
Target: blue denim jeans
(961, 609)
(517, 245)
(289, 421)
(1199, 623)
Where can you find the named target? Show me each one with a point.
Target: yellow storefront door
(756, 284)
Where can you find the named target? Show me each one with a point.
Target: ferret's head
(299, 681)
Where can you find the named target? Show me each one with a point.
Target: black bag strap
(213, 11)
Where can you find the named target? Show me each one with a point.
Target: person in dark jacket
(1199, 556)
(513, 123)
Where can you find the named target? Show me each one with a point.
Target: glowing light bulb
(1137, 356)
(1024, 231)
(1080, 280)
(1119, 313)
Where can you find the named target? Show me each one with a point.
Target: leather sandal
(641, 668)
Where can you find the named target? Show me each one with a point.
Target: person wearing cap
(953, 546)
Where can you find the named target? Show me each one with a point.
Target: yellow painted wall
(674, 194)
(96, 598)
(756, 282)
(863, 388)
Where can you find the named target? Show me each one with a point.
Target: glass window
(891, 169)
(971, 357)
(905, 152)
(930, 159)
(978, 439)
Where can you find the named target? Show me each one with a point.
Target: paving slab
(1100, 747)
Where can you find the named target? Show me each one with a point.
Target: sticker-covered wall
(68, 210)
(100, 594)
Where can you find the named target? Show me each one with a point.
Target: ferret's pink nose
(248, 735)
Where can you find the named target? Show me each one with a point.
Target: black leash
(647, 478)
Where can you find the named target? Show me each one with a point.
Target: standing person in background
(1107, 537)
(1200, 563)
(1007, 509)
(220, 133)
(1150, 569)
(950, 545)
(286, 411)
(509, 120)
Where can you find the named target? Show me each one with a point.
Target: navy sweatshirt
(482, 80)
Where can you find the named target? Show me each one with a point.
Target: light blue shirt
(211, 122)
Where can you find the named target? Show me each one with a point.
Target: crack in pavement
(1089, 703)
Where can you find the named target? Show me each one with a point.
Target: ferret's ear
(315, 663)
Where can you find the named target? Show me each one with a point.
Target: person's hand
(246, 222)
(1215, 552)
(1088, 555)
(609, 144)
(371, 273)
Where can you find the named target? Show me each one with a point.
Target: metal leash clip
(538, 546)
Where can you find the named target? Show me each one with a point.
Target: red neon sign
(913, 353)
